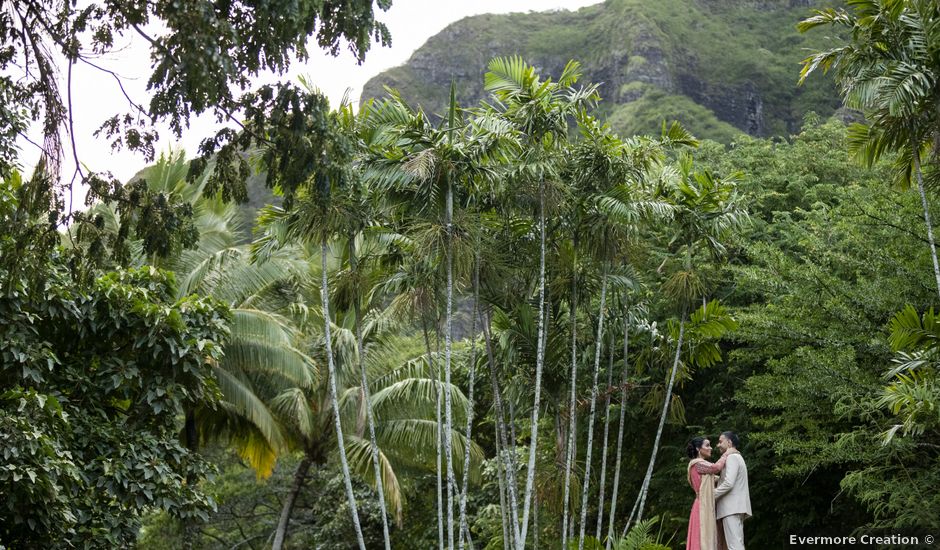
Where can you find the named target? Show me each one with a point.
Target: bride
(704, 530)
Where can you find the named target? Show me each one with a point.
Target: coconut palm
(263, 353)
(316, 213)
(890, 71)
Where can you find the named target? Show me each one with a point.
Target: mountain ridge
(721, 67)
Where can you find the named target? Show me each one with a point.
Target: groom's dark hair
(733, 438)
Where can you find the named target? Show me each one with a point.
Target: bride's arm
(706, 467)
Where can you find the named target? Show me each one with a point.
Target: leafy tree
(264, 349)
(889, 71)
(829, 248)
(204, 56)
(97, 373)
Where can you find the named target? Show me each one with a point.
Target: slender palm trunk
(535, 522)
(437, 404)
(644, 489)
(539, 360)
(590, 431)
(511, 432)
(623, 409)
(367, 397)
(473, 369)
(440, 465)
(300, 476)
(573, 381)
(502, 489)
(923, 200)
(334, 401)
(466, 533)
(508, 465)
(626, 528)
(603, 481)
(448, 336)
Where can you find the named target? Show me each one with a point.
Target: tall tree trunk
(644, 489)
(539, 360)
(437, 402)
(508, 465)
(334, 401)
(590, 431)
(535, 522)
(466, 533)
(507, 543)
(923, 200)
(473, 369)
(448, 336)
(573, 381)
(623, 409)
(300, 476)
(626, 528)
(603, 482)
(366, 396)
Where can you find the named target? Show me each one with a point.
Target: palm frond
(359, 455)
(295, 408)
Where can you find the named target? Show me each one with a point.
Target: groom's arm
(731, 475)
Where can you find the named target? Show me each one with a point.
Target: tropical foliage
(491, 328)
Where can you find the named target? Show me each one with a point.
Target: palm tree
(424, 162)
(706, 212)
(602, 482)
(361, 212)
(317, 213)
(607, 172)
(403, 394)
(474, 316)
(631, 318)
(890, 71)
(263, 353)
(414, 285)
(540, 110)
(915, 340)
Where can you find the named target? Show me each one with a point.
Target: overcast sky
(96, 95)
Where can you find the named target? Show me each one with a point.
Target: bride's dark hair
(692, 448)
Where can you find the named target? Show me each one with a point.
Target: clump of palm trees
(560, 235)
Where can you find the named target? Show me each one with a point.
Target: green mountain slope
(722, 67)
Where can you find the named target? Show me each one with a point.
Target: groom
(732, 499)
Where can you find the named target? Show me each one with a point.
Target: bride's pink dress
(693, 540)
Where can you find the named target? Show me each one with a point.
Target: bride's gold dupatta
(708, 525)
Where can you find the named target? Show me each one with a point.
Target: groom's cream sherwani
(733, 500)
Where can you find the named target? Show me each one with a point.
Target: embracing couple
(722, 503)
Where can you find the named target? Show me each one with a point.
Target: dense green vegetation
(493, 328)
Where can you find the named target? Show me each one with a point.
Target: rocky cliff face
(722, 67)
